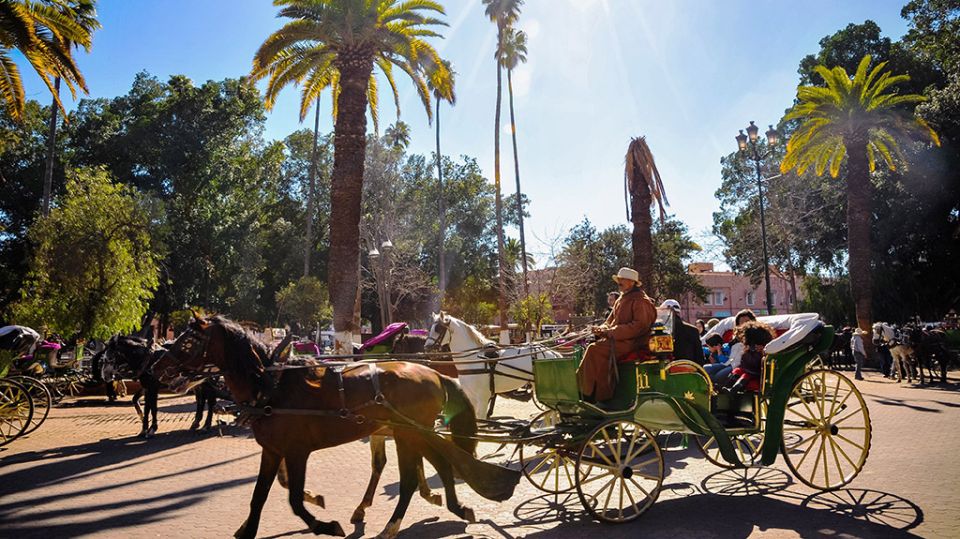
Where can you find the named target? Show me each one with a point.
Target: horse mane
(475, 333)
(243, 352)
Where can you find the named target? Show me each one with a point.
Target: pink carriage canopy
(388, 333)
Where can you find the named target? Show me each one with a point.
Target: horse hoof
(330, 528)
(195, 425)
(468, 515)
(315, 499)
(391, 531)
(357, 516)
(434, 499)
(142, 434)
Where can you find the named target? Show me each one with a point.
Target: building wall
(730, 293)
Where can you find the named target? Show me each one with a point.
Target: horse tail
(459, 414)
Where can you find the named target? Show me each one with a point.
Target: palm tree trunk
(51, 150)
(311, 193)
(346, 193)
(501, 265)
(859, 192)
(640, 201)
(516, 166)
(443, 219)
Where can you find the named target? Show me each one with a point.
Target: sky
(686, 74)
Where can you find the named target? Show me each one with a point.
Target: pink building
(730, 293)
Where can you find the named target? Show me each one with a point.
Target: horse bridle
(443, 329)
(190, 347)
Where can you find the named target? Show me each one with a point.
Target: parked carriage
(816, 418)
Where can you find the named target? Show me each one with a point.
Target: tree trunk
(516, 167)
(443, 219)
(859, 192)
(640, 200)
(311, 193)
(501, 262)
(346, 192)
(51, 150)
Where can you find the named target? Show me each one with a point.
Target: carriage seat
(802, 333)
(385, 337)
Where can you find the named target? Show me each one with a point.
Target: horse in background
(134, 358)
(903, 354)
(319, 406)
(507, 370)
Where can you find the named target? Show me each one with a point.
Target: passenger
(754, 336)
(686, 339)
(627, 329)
(717, 356)
(719, 375)
(712, 322)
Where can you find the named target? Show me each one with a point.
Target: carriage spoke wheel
(550, 469)
(619, 471)
(746, 446)
(16, 410)
(42, 400)
(826, 430)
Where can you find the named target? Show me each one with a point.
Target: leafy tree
(94, 269)
(503, 13)
(532, 311)
(305, 302)
(673, 250)
(852, 117)
(44, 32)
(934, 30)
(830, 297)
(349, 37)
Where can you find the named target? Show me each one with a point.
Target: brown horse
(301, 410)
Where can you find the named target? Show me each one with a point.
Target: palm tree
(643, 185)
(397, 136)
(337, 43)
(853, 119)
(503, 13)
(444, 89)
(85, 14)
(43, 33)
(512, 52)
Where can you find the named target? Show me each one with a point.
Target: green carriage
(815, 418)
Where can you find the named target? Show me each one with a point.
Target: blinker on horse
(297, 411)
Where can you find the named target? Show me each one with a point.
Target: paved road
(85, 474)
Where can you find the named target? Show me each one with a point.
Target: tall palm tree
(643, 185)
(337, 43)
(397, 136)
(503, 13)
(858, 120)
(513, 51)
(84, 13)
(42, 31)
(444, 89)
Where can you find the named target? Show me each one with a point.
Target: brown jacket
(630, 320)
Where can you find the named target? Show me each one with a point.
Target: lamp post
(380, 262)
(750, 141)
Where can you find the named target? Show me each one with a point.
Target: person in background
(859, 353)
(612, 298)
(717, 356)
(701, 327)
(712, 322)
(686, 338)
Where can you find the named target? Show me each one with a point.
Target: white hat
(671, 303)
(627, 273)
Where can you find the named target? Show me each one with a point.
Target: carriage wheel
(16, 410)
(42, 400)
(550, 469)
(619, 471)
(826, 430)
(747, 446)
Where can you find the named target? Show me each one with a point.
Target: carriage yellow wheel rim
(16, 411)
(619, 471)
(550, 469)
(826, 430)
(747, 447)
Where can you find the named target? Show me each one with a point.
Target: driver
(627, 329)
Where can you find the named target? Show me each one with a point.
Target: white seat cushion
(799, 329)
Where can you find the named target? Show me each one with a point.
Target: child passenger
(754, 336)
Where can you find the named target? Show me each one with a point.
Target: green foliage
(673, 250)
(532, 311)
(830, 297)
(94, 269)
(473, 300)
(305, 301)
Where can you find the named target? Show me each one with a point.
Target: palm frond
(641, 171)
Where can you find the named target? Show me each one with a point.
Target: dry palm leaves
(642, 171)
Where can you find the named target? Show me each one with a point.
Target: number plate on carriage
(661, 343)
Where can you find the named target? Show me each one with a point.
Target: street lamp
(772, 138)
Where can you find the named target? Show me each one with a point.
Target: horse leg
(269, 462)
(296, 465)
(210, 396)
(308, 496)
(425, 492)
(140, 411)
(407, 458)
(198, 396)
(445, 471)
(378, 459)
(153, 396)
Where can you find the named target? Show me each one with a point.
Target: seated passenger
(626, 330)
(717, 355)
(754, 336)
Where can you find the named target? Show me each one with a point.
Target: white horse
(509, 368)
(902, 353)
